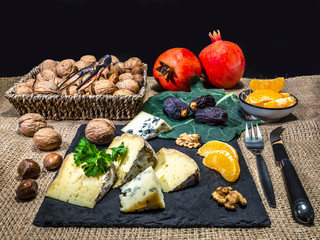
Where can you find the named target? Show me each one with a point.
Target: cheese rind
(176, 170)
(73, 186)
(140, 155)
(142, 193)
(146, 126)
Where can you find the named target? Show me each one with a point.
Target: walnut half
(228, 198)
(188, 140)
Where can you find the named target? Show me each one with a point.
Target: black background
(277, 39)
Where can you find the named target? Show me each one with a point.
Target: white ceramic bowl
(265, 114)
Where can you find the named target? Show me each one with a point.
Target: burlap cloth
(301, 138)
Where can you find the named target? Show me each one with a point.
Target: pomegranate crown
(216, 36)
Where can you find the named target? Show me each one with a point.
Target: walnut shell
(130, 85)
(46, 75)
(138, 78)
(48, 64)
(81, 64)
(47, 139)
(125, 76)
(30, 123)
(124, 92)
(65, 68)
(45, 87)
(103, 87)
(88, 58)
(23, 88)
(30, 82)
(100, 131)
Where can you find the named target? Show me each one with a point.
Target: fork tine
(247, 136)
(253, 136)
(258, 132)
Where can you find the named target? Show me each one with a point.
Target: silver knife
(301, 208)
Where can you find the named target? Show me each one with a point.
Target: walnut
(188, 140)
(138, 78)
(123, 92)
(47, 139)
(58, 81)
(48, 64)
(30, 123)
(81, 64)
(117, 68)
(88, 58)
(65, 68)
(103, 87)
(100, 131)
(30, 82)
(22, 88)
(228, 198)
(114, 59)
(125, 76)
(131, 63)
(137, 69)
(130, 85)
(114, 78)
(45, 87)
(46, 75)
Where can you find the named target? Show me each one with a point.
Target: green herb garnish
(93, 161)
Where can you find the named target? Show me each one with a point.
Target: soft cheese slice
(146, 126)
(73, 186)
(140, 155)
(176, 170)
(142, 193)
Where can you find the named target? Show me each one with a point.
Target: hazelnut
(30, 82)
(47, 139)
(138, 78)
(123, 92)
(46, 75)
(137, 69)
(48, 64)
(30, 123)
(88, 58)
(45, 87)
(65, 68)
(28, 188)
(125, 76)
(103, 87)
(100, 131)
(28, 168)
(52, 161)
(130, 85)
(23, 88)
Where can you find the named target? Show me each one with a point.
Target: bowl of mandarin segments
(267, 110)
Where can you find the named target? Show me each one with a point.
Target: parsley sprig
(93, 161)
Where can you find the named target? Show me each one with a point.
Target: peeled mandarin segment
(217, 145)
(280, 103)
(284, 94)
(271, 84)
(261, 96)
(224, 163)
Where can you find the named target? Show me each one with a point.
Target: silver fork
(256, 146)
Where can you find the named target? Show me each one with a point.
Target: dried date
(211, 115)
(202, 102)
(176, 108)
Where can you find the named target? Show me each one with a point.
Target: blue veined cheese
(72, 185)
(146, 126)
(142, 193)
(176, 170)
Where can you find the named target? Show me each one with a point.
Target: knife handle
(300, 205)
(265, 181)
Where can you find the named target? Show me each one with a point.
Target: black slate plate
(192, 207)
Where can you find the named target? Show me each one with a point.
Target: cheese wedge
(146, 126)
(73, 186)
(176, 170)
(140, 155)
(142, 193)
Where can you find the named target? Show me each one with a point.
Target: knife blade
(301, 207)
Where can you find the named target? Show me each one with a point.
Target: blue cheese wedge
(73, 186)
(176, 170)
(142, 193)
(140, 155)
(146, 126)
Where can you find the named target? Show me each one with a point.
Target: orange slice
(217, 145)
(284, 94)
(223, 162)
(261, 96)
(271, 84)
(280, 103)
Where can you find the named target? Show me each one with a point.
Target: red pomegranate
(175, 68)
(222, 62)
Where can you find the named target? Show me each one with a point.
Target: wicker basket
(72, 107)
